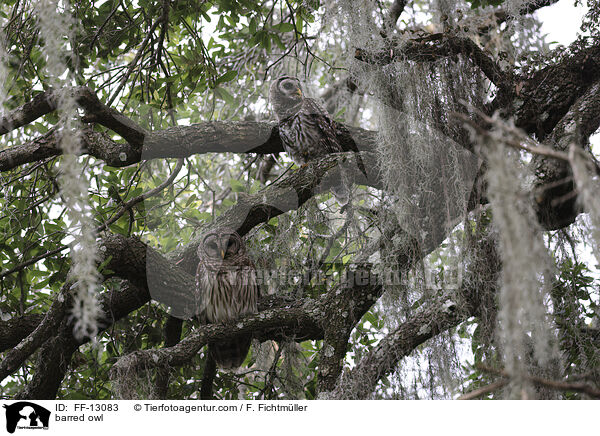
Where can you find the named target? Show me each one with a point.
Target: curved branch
(96, 111)
(286, 194)
(15, 330)
(437, 46)
(17, 355)
(361, 381)
(547, 96)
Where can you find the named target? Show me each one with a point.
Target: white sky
(561, 21)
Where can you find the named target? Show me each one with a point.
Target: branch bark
(360, 382)
(207, 137)
(437, 46)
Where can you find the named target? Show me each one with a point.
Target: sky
(561, 21)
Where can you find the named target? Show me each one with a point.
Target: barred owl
(226, 279)
(306, 129)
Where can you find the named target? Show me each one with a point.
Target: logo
(26, 415)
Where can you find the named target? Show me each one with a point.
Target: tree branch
(54, 316)
(94, 143)
(300, 320)
(552, 384)
(284, 195)
(437, 46)
(546, 97)
(96, 111)
(361, 381)
(15, 330)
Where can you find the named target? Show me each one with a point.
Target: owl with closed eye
(307, 131)
(226, 280)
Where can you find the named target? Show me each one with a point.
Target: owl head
(221, 246)
(286, 96)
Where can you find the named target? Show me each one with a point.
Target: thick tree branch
(437, 46)
(40, 105)
(15, 330)
(207, 137)
(93, 143)
(546, 97)
(52, 364)
(361, 381)
(96, 111)
(299, 321)
(228, 136)
(342, 311)
(555, 206)
(17, 355)
(445, 312)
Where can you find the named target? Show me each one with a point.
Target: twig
(164, 19)
(134, 62)
(558, 385)
(483, 390)
(32, 261)
(531, 148)
(97, 34)
(127, 206)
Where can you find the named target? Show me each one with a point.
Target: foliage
(179, 62)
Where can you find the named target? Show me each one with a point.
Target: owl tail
(230, 354)
(361, 165)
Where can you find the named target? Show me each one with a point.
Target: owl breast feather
(303, 138)
(230, 293)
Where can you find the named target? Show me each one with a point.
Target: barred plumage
(226, 277)
(305, 128)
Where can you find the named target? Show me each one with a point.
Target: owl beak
(298, 92)
(222, 254)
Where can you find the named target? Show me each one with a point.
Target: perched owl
(226, 279)
(306, 129)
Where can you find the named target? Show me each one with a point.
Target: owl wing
(317, 119)
(200, 293)
(247, 284)
(335, 136)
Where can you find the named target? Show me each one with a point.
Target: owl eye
(232, 245)
(288, 85)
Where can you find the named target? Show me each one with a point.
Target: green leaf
(283, 27)
(224, 95)
(237, 186)
(227, 77)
